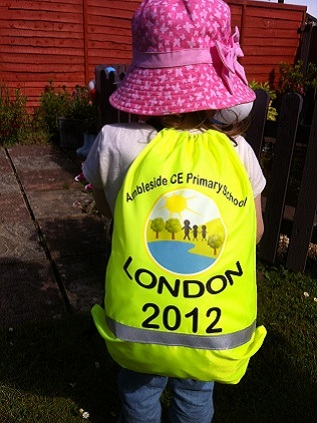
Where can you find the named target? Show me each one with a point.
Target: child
(179, 310)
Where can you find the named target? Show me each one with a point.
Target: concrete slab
(8, 183)
(44, 163)
(83, 278)
(74, 236)
(57, 204)
(36, 150)
(55, 179)
(5, 165)
(13, 208)
(28, 292)
(43, 158)
(19, 242)
(75, 239)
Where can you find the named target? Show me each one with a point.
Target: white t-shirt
(117, 145)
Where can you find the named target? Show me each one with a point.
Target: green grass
(281, 381)
(51, 370)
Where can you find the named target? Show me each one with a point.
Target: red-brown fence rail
(299, 218)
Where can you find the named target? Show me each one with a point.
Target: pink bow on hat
(228, 55)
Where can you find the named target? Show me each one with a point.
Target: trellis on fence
(302, 217)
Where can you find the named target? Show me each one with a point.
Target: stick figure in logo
(187, 229)
(195, 232)
(204, 231)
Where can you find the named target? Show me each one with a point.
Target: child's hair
(202, 120)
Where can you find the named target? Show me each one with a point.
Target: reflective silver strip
(215, 342)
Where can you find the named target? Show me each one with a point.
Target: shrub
(293, 79)
(58, 102)
(15, 120)
(82, 106)
(53, 104)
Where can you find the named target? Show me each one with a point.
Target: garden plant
(22, 125)
(17, 125)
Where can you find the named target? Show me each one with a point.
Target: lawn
(58, 371)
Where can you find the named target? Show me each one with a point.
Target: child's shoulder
(125, 138)
(242, 144)
(245, 152)
(127, 132)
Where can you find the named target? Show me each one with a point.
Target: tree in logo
(215, 241)
(173, 226)
(157, 225)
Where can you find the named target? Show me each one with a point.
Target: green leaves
(294, 78)
(14, 117)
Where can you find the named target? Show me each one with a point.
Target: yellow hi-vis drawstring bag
(181, 295)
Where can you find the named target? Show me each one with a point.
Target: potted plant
(79, 118)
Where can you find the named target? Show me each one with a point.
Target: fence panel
(283, 154)
(106, 84)
(305, 213)
(255, 131)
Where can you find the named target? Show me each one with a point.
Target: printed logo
(185, 233)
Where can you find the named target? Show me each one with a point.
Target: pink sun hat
(184, 59)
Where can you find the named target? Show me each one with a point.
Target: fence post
(255, 132)
(306, 206)
(106, 84)
(283, 153)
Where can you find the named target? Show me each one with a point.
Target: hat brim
(154, 92)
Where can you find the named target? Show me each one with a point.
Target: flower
(306, 294)
(84, 414)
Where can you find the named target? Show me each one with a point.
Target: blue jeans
(140, 396)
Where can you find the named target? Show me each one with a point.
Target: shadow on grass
(281, 381)
(51, 370)
(273, 390)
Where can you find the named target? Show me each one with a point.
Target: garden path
(52, 250)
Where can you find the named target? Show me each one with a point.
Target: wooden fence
(298, 220)
(270, 33)
(63, 41)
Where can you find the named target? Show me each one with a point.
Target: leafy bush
(53, 104)
(271, 113)
(293, 78)
(15, 120)
(58, 102)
